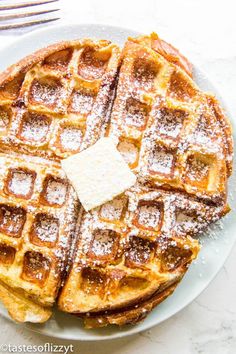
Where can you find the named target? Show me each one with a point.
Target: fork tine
(27, 24)
(26, 4)
(28, 14)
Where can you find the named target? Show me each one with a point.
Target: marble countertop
(204, 30)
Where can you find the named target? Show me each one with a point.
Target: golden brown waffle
(55, 102)
(133, 251)
(52, 104)
(37, 222)
(169, 131)
(132, 247)
(37, 219)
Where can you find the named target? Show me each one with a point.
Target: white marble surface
(205, 30)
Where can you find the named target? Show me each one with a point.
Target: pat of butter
(98, 173)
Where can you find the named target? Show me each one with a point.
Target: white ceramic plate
(216, 244)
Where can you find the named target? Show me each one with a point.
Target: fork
(16, 16)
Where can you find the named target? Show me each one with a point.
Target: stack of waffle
(121, 259)
(52, 104)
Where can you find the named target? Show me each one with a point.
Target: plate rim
(135, 329)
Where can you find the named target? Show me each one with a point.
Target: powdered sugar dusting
(170, 122)
(48, 93)
(161, 162)
(144, 71)
(35, 127)
(82, 102)
(149, 216)
(71, 138)
(112, 210)
(91, 66)
(12, 220)
(46, 228)
(136, 114)
(21, 183)
(140, 251)
(56, 192)
(103, 242)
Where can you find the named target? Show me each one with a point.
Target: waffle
(56, 102)
(52, 104)
(133, 251)
(115, 263)
(169, 131)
